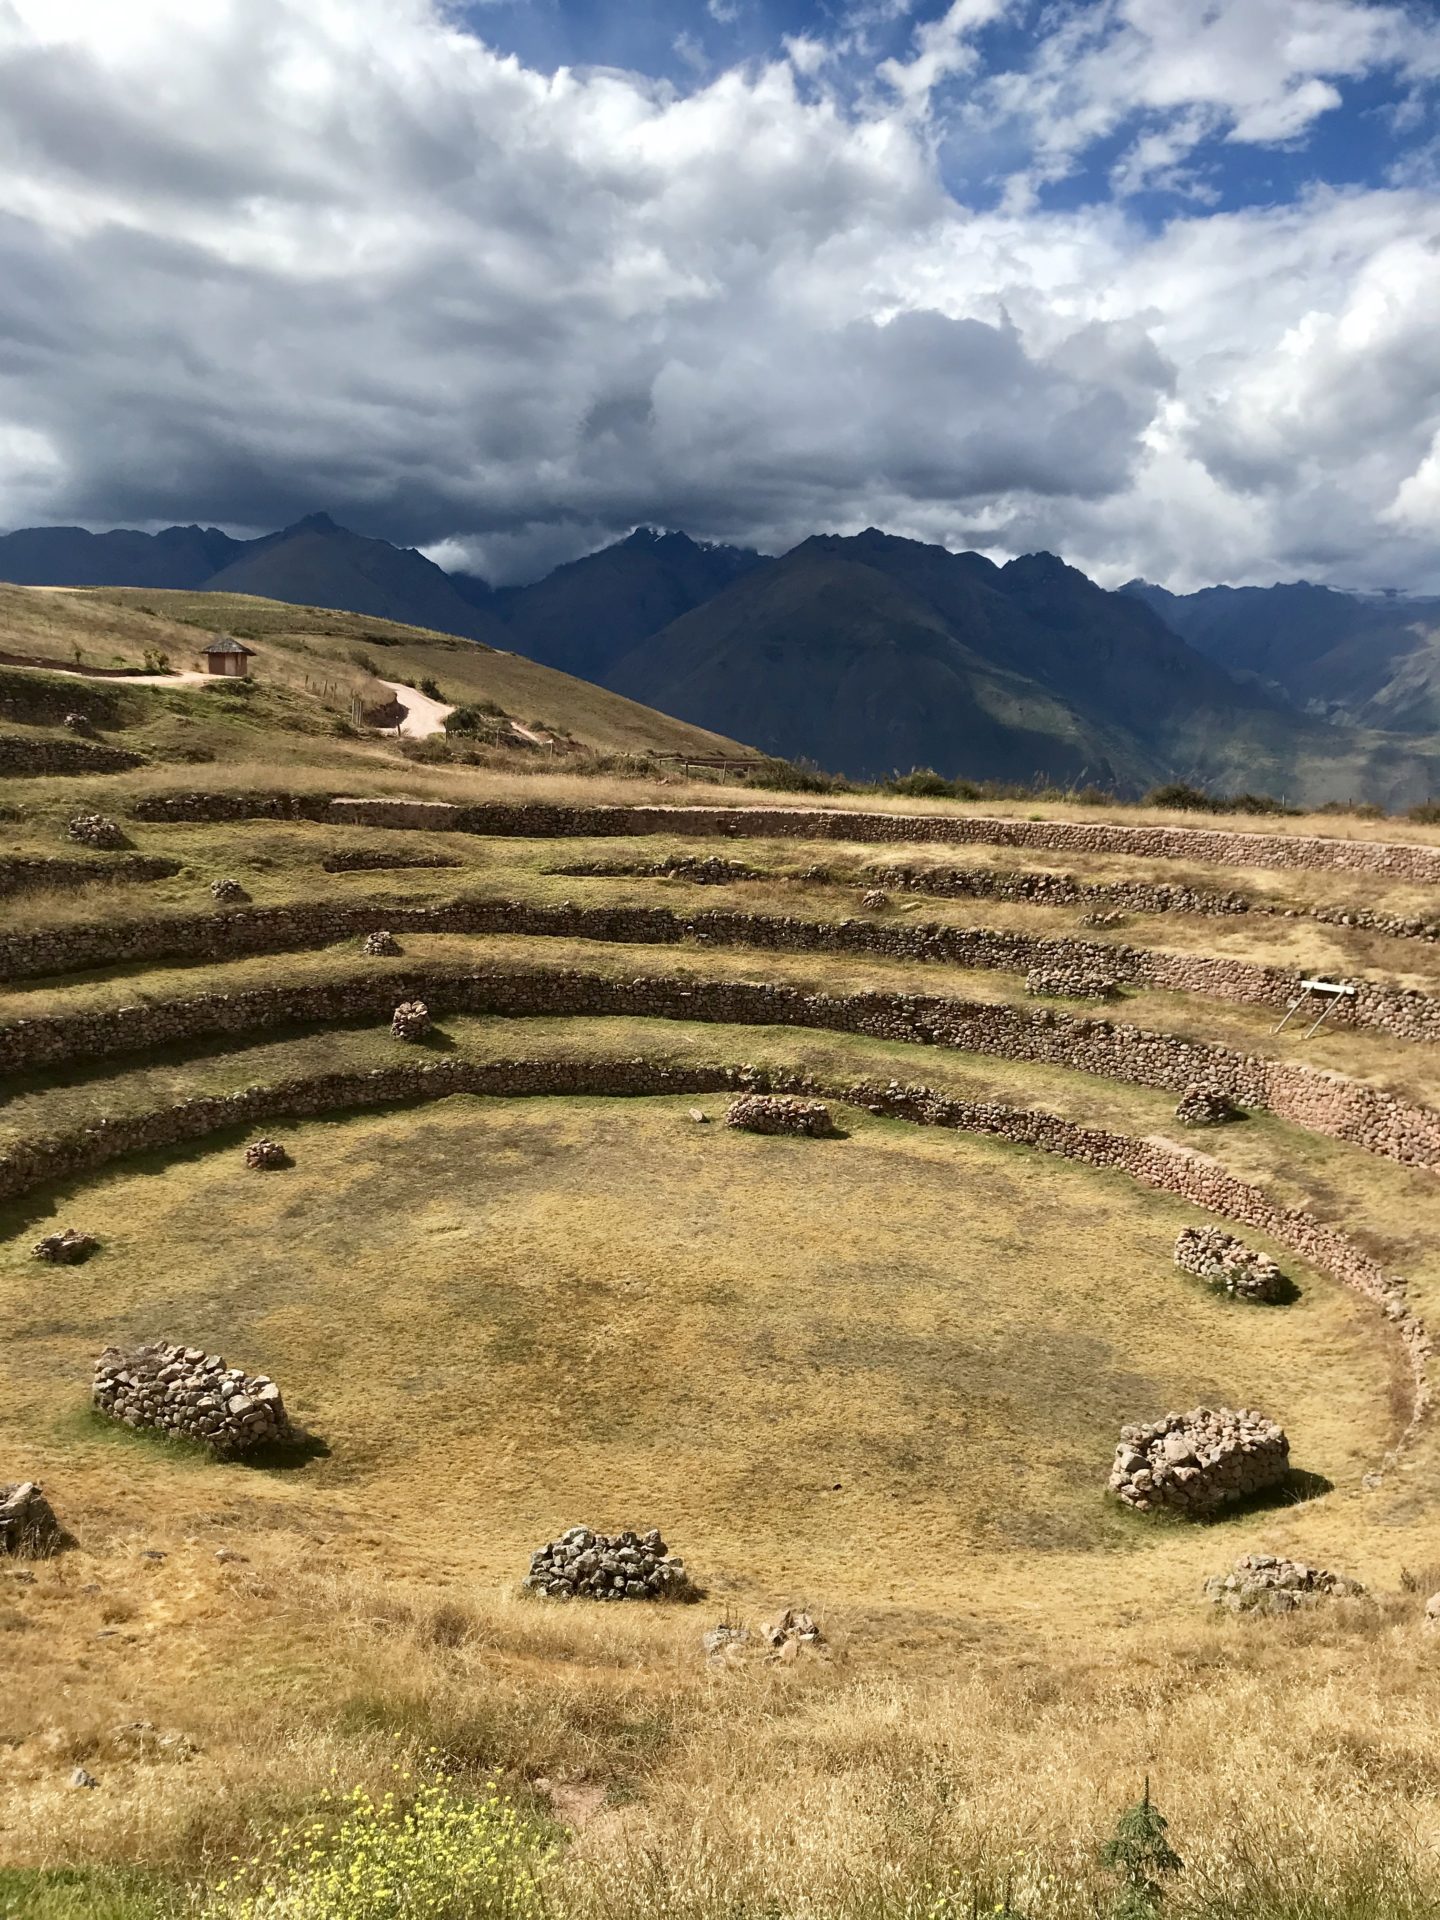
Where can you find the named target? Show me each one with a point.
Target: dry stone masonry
(266, 1156)
(1321, 1102)
(1212, 1255)
(186, 1391)
(67, 1248)
(774, 1113)
(1193, 1463)
(410, 1020)
(381, 944)
(1262, 1583)
(1076, 982)
(96, 830)
(709, 870)
(28, 1526)
(1202, 1106)
(536, 820)
(586, 1565)
(380, 859)
(1408, 1014)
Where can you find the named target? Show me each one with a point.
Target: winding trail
(423, 716)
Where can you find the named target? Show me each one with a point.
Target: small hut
(224, 655)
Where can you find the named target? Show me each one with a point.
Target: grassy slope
(311, 653)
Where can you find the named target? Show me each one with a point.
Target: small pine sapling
(1142, 1857)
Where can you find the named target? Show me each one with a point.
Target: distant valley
(871, 654)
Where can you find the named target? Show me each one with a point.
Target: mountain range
(869, 654)
(1363, 659)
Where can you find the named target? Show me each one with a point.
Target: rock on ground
(28, 1526)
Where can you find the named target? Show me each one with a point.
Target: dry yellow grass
(881, 1375)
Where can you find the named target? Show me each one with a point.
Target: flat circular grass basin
(850, 1369)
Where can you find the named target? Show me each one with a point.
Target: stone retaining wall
(1403, 1013)
(1199, 1181)
(1321, 1102)
(1117, 898)
(21, 757)
(26, 873)
(1212, 846)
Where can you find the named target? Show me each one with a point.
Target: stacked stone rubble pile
(1193, 1463)
(28, 1526)
(226, 889)
(792, 1630)
(186, 1391)
(777, 1113)
(381, 944)
(67, 1248)
(410, 1020)
(1211, 1254)
(875, 899)
(1073, 982)
(96, 830)
(1264, 1583)
(1204, 1106)
(265, 1156)
(586, 1565)
(78, 723)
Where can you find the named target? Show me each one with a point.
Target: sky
(1153, 284)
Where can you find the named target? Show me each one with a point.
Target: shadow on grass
(272, 1456)
(86, 1893)
(1297, 1488)
(435, 1041)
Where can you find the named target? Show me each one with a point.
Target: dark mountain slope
(180, 557)
(833, 660)
(584, 616)
(316, 563)
(871, 654)
(1368, 659)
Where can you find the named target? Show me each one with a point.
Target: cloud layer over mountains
(259, 255)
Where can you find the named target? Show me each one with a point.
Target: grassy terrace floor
(1411, 1071)
(881, 1374)
(280, 862)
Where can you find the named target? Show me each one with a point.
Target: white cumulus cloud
(263, 256)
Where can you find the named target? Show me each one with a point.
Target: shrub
(789, 776)
(444, 1856)
(922, 783)
(366, 662)
(1183, 798)
(429, 688)
(471, 717)
(1425, 814)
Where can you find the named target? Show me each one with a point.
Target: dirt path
(423, 716)
(185, 679)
